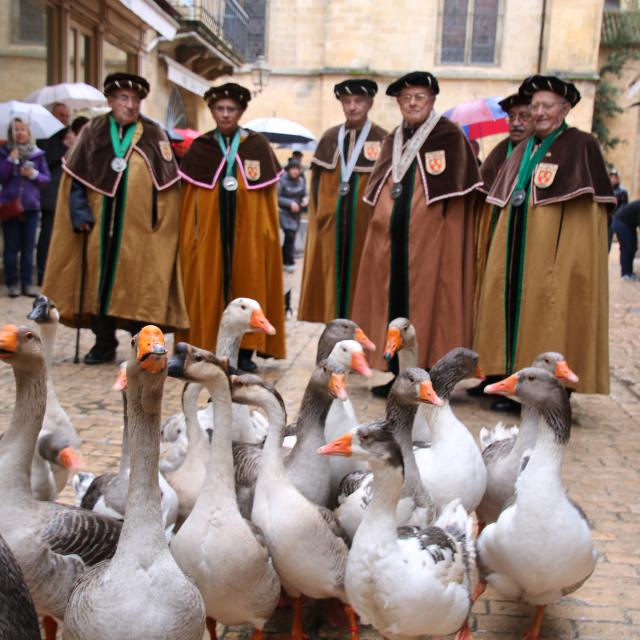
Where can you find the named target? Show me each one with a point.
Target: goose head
(55, 448)
(555, 363)
(147, 367)
(541, 390)
(44, 311)
(454, 366)
(253, 390)
(243, 315)
(401, 334)
(371, 442)
(350, 354)
(328, 380)
(193, 364)
(337, 330)
(21, 348)
(412, 386)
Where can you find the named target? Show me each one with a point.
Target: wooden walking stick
(83, 272)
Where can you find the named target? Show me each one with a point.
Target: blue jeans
(628, 239)
(20, 238)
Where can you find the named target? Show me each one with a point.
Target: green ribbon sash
(120, 147)
(229, 152)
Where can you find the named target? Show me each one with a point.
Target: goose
(240, 316)
(141, 591)
(307, 546)
(402, 339)
(216, 546)
(107, 494)
(57, 453)
(411, 386)
(18, 619)
(505, 448)
(541, 547)
(340, 329)
(407, 582)
(452, 467)
(53, 544)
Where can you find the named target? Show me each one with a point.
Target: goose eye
(530, 378)
(198, 358)
(243, 307)
(28, 335)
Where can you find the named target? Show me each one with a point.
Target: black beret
(567, 90)
(414, 79)
(229, 90)
(514, 100)
(119, 80)
(356, 86)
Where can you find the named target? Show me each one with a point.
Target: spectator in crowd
(622, 198)
(292, 201)
(625, 226)
(23, 172)
(230, 240)
(115, 234)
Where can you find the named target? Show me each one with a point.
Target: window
(470, 31)
(30, 24)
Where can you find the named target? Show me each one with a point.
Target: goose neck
(387, 489)
(228, 343)
(310, 424)
(401, 417)
(408, 356)
(125, 457)
(528, 430)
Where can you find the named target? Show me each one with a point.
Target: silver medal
(344, 188)
(230, 183)
(519, 196)
(396, 190)
(118, 165)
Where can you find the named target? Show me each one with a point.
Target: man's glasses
(407, 98)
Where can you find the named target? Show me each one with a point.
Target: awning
(185, 78)
(154, 16)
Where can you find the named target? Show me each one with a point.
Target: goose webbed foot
(258, 634)
(534, 631)
(211, 628)
(465, 632)
(296, 627)
(50, 626)
(354, 626)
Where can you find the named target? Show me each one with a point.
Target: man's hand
(28, 172)
(13, 155)
(295, 207)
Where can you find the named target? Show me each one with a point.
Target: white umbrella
(76, 95)
(40, 121)
(280, 130)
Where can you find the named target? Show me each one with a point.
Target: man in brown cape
(229, 240)
(545, 286)
(418, 258)
(338, 216)
(119, 195)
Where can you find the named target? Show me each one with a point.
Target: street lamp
(260, 73)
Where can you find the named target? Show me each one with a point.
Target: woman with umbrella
(23, 171)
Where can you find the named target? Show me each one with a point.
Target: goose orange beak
(337, 386)
(339, 447)
(121, 381)
(152, 354)
(359, 363)
(260, 323)
(393, 343)
(479, 374)
(506, 387)
(428, 394)
(563, 372)
(8, 340)
(360, 336)
(71, 459)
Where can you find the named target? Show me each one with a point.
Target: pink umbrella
(479, 118)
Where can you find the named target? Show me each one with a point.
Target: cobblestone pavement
(602, 468)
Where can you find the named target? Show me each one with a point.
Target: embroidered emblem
(372, 150)
(252, 169)
(435, 162)
(545, 174)
(165, 150)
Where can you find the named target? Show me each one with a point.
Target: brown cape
(203, 163)
(440, 251)
(580, 170)
(256, 268)
(146, 285)
(492, 165)
(89, 160)
(459, 177)
(320, 289)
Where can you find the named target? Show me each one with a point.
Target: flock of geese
(403, 521)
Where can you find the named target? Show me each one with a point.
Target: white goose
(216, 546)
(409, 582)
(141, 592)
(411, 387)
(52, 544)
(503, 454)
(452, 467)
(57, 453)
(107, 494)
(541, 547)
(307, 547)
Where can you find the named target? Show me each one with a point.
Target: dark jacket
(290, 191)
(54, 149)
(12, 182)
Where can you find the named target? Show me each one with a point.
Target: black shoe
(100, 355)
(245, 362)
(505, 405)
(382, 390)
